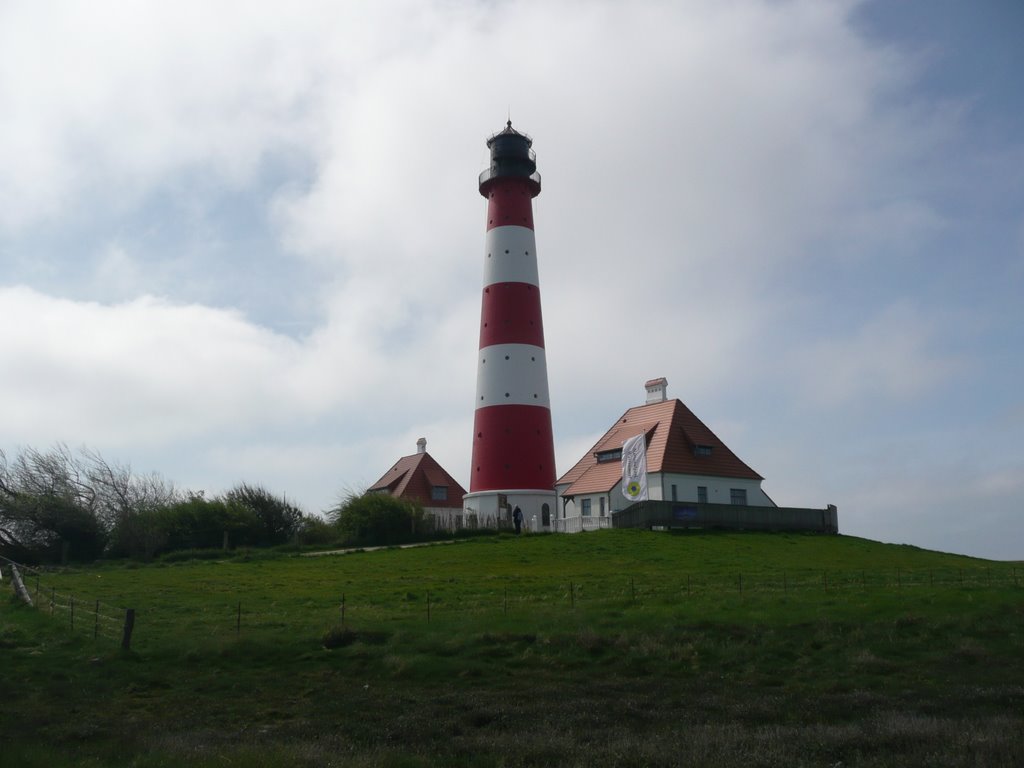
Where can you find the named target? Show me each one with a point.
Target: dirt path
(350, 550)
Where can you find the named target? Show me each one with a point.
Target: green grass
(609, 648)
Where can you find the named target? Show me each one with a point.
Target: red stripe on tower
(513, 447)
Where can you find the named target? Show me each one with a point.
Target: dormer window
(702, 450)
(605, 456)
(439, 493)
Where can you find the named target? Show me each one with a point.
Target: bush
(185, 555)
(189, 524)
(315, 531)
(338, 637)
(377, 519)
(272, 519)
(141, 535)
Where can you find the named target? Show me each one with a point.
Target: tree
(57, 504)
(60, 504)
(48, 508)
(119, 493)
(376, 519)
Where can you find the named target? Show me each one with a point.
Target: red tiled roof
(413, 477)
(673, 432)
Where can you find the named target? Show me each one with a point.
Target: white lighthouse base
(538, 508)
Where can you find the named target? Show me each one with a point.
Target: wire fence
(526, 598)
(83, 615)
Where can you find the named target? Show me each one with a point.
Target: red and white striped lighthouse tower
(513, 447)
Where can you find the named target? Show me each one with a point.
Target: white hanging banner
(634, 468)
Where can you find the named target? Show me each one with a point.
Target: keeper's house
(420, 479)
(693, 479)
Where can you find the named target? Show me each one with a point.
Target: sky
(242, 242)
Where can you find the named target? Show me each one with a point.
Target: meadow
(609, 648)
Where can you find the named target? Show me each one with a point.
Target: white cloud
(704, 165)
(140, 372)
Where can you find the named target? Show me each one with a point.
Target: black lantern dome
(512, 156)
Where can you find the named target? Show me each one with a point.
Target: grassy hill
(608, 648)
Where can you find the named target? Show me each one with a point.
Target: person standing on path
(517, 519)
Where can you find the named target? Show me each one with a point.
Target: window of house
(585, 508)
(601, 505)
(702, 494)
(612, 455)
(738, 496)
(439, 493)
(675, 494)
(702, 450)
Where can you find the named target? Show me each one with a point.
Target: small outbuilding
(419, 478)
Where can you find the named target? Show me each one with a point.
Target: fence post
(53, 597)
(129, 626)
(19, 585)
(343, 609)
(572, 595)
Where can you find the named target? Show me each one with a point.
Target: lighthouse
(513, 447)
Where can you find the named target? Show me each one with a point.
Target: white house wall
(574, 507)
(718, 489)
(659, 488)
